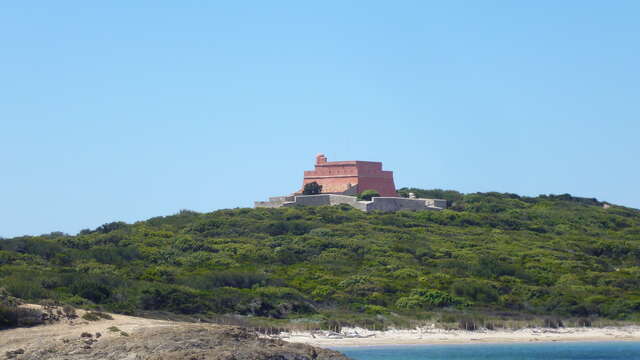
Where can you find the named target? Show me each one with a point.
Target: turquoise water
(540, 351)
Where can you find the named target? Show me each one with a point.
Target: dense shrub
(93, 290)
(495, 252)
(367, 195)
(425, 298)
(14, 316)
(96, 315)
(476, 290)
(312, 188)
(172, 299)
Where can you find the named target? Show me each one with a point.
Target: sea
(538, 351)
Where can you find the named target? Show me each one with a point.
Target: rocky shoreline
(120, 337)
(191, 342)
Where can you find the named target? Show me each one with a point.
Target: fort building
(350, 177)
(342, 181)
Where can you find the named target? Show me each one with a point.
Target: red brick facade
(351, 176)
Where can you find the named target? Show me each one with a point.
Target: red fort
(350, 177)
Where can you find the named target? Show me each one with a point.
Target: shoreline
(489, 342)
(356, 337)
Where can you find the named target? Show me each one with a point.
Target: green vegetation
(490, 256)
(451, 196)
(11, 315)
(312, 188)
(368, 194)
(96, 315)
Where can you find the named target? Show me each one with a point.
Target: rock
(14, 353)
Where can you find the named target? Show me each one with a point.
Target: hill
(490, 255)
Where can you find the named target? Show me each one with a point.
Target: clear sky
(125, 110)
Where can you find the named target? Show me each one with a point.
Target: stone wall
(389, 204)
(385, 204)
(326, 199)
(310, 200)
(439, 203)
(274, 202)
(349, 200)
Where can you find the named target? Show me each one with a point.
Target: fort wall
(342, 180)
(384, 204)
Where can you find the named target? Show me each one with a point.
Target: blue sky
(128, 110)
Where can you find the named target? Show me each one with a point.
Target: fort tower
(350, 177)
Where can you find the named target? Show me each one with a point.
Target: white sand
(363, 337)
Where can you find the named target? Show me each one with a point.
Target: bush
(467, 324)
(107, 228)
(409, 303)
(425, 298)
(69, 311)
(93, 290)
(368, 194)
(450, 195)
(477, 290)
(25, 285)
(13, 316)
(553, 323)
(332, 325)
(171, 299)
(312, 188)
(583, 322)
(375, 310)
(96, 315)
(90, 316)
(7, 299)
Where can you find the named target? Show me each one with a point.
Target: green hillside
(490, 253)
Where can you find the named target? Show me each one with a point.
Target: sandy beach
(363, 337)
(38, 336)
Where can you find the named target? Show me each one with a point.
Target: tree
(312, 188)
(368, 194)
